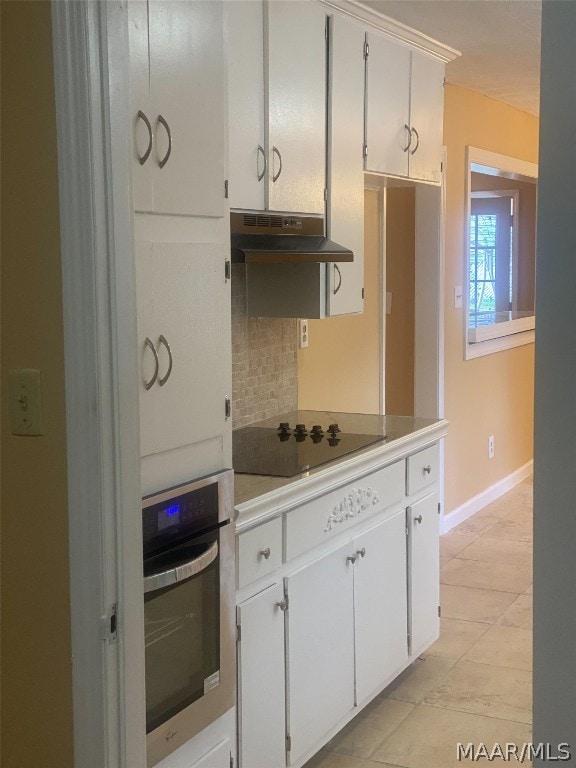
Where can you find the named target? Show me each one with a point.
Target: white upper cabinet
(246, 135)
(427, 116)
(178, 106)
(404, 110)
(296, 69)
(277, 105)
(183, 321)
(345, 212)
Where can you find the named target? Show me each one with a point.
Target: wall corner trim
(493, 492)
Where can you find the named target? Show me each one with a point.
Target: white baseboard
(478, 502)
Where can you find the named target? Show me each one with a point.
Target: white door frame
(90, 42)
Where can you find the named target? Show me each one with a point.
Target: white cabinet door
(380, 604)
(246, 139)
(187, 91)
(261, 687)
(387, 106)
(320, 649)
(296, 81)
(426, 117)
(177, 100)
(345, 168)
(423, 569)
(183, 297)
(140, 105)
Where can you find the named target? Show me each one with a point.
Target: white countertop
(257, 497)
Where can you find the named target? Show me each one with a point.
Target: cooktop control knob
(300, 429)
(284, 428)
(334, 429)
(317, 430)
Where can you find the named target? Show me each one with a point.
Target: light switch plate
(26, 402)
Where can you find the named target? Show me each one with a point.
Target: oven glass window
(182, 630)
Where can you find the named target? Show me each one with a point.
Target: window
(500, 253)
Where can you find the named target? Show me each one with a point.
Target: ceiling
(499, 41)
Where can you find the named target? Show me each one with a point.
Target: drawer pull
(351, 559)
(427, 469)
(361, 552)
(418, 519)
(265, 553)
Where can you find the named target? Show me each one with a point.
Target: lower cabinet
(380, 605)
(261, 697)
(319, 648)
(423, 572)
(335, 627)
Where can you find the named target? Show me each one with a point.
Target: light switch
(457, 297)
(25, 402)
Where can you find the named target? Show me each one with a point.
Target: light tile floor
(474, 683)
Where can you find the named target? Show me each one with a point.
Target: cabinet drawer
(422, 469)
(259, 551)
(325, 517)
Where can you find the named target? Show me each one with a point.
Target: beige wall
(491, 395)
(339, 371)
(400, 221)
(36, 656)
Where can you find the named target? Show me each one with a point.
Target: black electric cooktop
(292, 449)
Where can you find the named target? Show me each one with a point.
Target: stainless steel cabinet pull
(361, 552)
(265, 553)
(427, 469)
(163, 379)
(261, 152)
(418, 519)
(283, 605)
(148, 343)
(407, 147)
(157, 581)
(337, 270)
(164, 160)
(276, 151)
(146, 122)
(413, 130)
(351, 559)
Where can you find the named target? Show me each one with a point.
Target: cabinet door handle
(337, 270)
(148, 343)
(164, 160)
(418, 519)
(361, 552)
(351, 559)
(409, 132)
(413, 130)
(427, 469)
(259, 173)
(265, 553)
(283, 605)
(163, 379)
(146, 122)
(276, 151)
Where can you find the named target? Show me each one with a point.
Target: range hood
(282, 238)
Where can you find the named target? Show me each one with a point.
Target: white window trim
(514, 333)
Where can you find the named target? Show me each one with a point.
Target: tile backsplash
(264, 360)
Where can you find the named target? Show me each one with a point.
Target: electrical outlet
(491, 447)
(302, 333)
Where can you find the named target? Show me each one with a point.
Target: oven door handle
(182, 572)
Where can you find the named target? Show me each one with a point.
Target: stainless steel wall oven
(189, 575)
